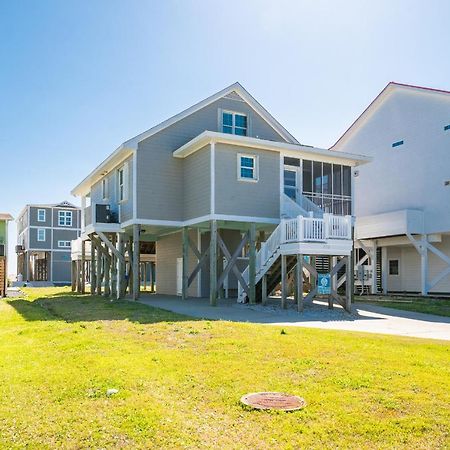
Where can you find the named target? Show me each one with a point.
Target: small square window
(393, 267)
(247, 168)
(41, 234)
(64, 244)
(41, 215)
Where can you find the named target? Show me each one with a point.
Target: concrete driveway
(365, 318)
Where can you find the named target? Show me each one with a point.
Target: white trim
(65, 217)
(292, 150)
(64, 241)
(105, 188)
(233, 122)
(52, 228)
(255, 158)
(38, 235)
(213, 177)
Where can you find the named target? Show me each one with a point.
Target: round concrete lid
(273, 400)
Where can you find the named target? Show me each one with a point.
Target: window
(247, 168)
(121, 183)
(234, 123)
(41, 234)
(447, 127)
(105, 189)
(64, 244)
(393, 267)
(396, 144)
(65, 218)
(41, 215)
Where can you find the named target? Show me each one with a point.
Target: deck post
(384, 270)
(283, 282)
(99, 270)
(120, 267)
(107, 269)
(330, 296)
(424, 266)
(93, 267)
(349, 282)
(113, 268)
(185, 263)
(136, 261)
(299, 282)
(264, 289)
(74, 275)
(152, 277)
(213, 265)
(374, 288)
(83, 265)
(78, 275)
(252, 264)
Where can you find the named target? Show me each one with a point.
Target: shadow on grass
(72, 307)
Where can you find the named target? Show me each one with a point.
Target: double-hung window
(121, 183)
(105, 189)
(41, 215)
(65, 218)
(247, 167)
(234, 123)
(41, 234)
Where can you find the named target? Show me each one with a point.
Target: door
(179, 276)
(292, 182)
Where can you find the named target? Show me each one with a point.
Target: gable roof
(124, 150)
(378, 100)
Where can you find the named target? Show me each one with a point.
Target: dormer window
(234, 123)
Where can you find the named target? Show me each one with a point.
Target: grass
(180, 381)
(427, 305)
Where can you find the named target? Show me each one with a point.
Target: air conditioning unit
(103, 213)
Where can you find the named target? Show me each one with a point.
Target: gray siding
(33, 220)
(75, 218)
(160, 177)
(63, 235)
(126, 207)
(197, 184)
(168, 249)
(61, 267)
(247, 198)
(34, 243)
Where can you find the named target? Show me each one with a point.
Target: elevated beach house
(44, 237)
(402, 198)
(232, 202)
(4, 219)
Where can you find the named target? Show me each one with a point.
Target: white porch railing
(300, 229)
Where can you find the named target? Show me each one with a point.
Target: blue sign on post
(324, 283)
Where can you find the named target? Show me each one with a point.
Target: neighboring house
(44, 236)
(402, 198)
(4, 219)
(231, 199)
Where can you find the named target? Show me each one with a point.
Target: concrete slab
(364, 318)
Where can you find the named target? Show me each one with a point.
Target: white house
(402, 201)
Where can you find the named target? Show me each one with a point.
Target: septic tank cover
(273, 400)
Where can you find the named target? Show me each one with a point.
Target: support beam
(213, 264)
(121, 267)
(136, 261)
(83, 263)
(348, 282)
(299, 282)
(78, 275)
(252, 264)
(424, 266)
(374, 287)
(264, 289)
(384, 270)
(185, 263)
(284, 286)
(74, 275)
(93, 266)
(113, 268)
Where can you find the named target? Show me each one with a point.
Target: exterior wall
(63, 235)
(409, 279)
(75, 218)
(412, 175)
(34, 243)
(126, 206)
(197, 184)
(22, 222)
(159, 175)
(247, 198)
(61, 267)
(33, 219)
(168, 249)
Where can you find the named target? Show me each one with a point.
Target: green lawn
(427, 305)
(180, 381)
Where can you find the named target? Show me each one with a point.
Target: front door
(292, 182)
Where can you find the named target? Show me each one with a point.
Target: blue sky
(77, 78)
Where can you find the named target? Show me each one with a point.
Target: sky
(78, 78)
